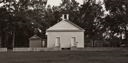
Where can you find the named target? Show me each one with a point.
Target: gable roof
(34, 37)
(65, 25)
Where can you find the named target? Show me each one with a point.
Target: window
(57, 43)
(65, 16)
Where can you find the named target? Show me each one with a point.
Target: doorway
(73, 42)
(57, 43)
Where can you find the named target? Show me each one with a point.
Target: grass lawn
(64, 57)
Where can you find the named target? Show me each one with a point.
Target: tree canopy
(20, 19)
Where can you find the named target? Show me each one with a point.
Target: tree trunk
(3, 39)
(13, 40)
(126, 37)
(93, 43)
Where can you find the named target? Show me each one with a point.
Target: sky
(57, 2)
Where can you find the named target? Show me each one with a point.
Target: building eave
(65, 30)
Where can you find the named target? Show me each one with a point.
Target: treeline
(106, 21)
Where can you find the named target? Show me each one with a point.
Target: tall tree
(90, 19)
(20, 18)
(117, 21)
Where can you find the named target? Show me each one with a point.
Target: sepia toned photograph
(63, 31)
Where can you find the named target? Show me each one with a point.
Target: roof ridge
(68, 21)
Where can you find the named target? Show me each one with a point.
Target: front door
(57, 43)
(73, 42)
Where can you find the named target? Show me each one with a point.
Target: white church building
(65, 34)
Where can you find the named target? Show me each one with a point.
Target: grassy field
(64, 57)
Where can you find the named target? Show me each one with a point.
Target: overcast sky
(57, 2)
